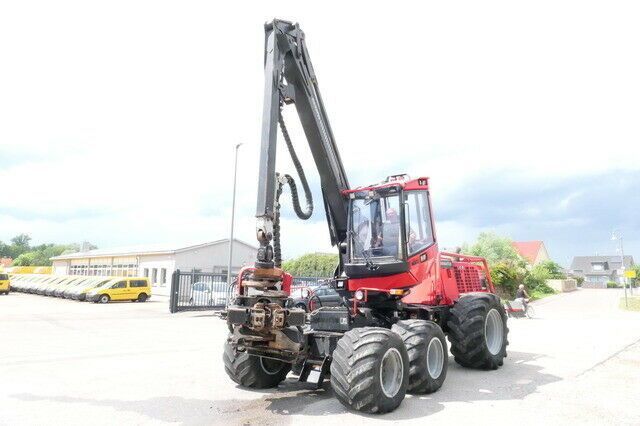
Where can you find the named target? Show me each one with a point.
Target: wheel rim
(270, 366)
(104, 299)
(493, 331)
(435, 358)
(391, 372)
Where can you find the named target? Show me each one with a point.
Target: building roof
(5, 261)
(148, 249)
(583, 263)
(528, 249)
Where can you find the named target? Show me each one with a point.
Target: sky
(118, 119)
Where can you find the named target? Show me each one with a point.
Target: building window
(154, 275)
(146, 272)
(163, 276)
(597, 266)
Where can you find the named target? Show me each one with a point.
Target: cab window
(120, 284)
(417, 221)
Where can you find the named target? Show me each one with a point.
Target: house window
(163, 276)
(154, 275)
(597, 266)
(146, 272)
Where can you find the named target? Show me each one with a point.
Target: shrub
(613, 284)
(536, 279)
(553, 270)
(506, 276)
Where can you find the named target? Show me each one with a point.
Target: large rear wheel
(370, 370)
(253, 371)
(428, 354)
(478, 331)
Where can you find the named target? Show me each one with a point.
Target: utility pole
(617, 235)
(233, 214)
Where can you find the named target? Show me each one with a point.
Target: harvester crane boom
(289, 78)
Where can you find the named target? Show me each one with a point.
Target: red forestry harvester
(400, 294)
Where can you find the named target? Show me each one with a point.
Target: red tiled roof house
(533, 252)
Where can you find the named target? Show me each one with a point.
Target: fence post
(173, 301)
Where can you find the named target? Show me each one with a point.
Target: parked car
(80, 292)
(311, 299)
(5, 283)
(208, 293)
(59, 288)
(133, 289)
(42, 283)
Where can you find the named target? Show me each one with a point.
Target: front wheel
(530, 312)
(253, 371)
(478, 331)
(428, 354)
(104, 298)
(370, 370)
(142, 297)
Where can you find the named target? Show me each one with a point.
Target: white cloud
(117, 121)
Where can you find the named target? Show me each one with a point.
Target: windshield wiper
(367, 257)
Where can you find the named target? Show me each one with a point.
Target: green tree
(5, 250)
(25, 259)
(494, 248)
(41, 255)
(312, 265)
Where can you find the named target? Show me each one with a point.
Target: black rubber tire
(249, 371)
(417, 335)
(467, 331)
(355, 369)
(142, 297)
(104, 298)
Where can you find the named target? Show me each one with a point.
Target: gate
(198, 291)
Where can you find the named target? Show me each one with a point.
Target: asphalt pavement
(65, 362)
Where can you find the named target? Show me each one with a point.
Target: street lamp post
(233, 214)
(617, 235)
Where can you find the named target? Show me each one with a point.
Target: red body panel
(430, 283)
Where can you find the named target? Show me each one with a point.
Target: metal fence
(200, 291)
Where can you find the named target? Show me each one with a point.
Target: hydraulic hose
(295, 200)
(304, 215)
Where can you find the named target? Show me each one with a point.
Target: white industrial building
(155, 261)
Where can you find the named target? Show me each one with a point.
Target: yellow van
(5, 285)
(134, 289)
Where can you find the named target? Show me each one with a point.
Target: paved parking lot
(64, 362)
